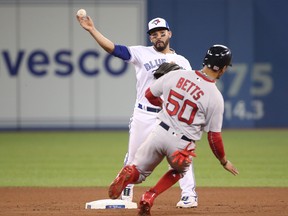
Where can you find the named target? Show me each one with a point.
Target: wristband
(225, 163)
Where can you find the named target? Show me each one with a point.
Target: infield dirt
(212, 202)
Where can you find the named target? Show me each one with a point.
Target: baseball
(81, 13)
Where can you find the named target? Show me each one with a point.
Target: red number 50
(174, 98)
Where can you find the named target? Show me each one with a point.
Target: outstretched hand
(230, 168)
(86, 22)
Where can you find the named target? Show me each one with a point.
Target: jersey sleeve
(122, 52)
(187, 65)
(136, 54)
(183, 62)
(156, 88)
(215, 114)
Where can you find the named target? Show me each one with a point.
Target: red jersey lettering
(180, 82)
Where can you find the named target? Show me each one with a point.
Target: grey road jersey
(192, 102)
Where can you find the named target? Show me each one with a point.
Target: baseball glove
(165, 68)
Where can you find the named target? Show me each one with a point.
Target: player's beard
(161, 45)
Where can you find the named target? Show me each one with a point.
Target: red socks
(167, 181)
(135, 174)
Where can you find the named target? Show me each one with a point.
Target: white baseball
(81, 13)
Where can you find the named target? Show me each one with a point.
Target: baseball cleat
(144, 209)
(125, 176)
(145, 204)
(187, 202)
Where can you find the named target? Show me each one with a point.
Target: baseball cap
(157, 23)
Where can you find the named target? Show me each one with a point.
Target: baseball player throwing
(146, 60)
(191, 104)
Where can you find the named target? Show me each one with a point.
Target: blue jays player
(146, 60)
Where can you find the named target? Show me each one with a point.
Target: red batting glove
(183, 156)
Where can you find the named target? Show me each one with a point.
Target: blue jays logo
(156, 21)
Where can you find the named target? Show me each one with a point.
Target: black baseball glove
(165, 68)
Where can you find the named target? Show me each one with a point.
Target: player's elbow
(156, 101)
(148, 94)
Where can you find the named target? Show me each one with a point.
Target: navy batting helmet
(217, 57)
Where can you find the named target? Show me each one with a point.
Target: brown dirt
(212, 201)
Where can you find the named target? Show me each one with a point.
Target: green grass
(94, 158)
(259, 155)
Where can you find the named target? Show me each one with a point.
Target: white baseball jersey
(192, 103)
(146, 60)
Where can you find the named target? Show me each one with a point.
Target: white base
(111, 204)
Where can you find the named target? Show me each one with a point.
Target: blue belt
(166, 127)
(149, 109)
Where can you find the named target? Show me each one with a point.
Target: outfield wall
(254, 88)
(53, 75)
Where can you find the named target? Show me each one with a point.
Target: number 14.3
(253, 110)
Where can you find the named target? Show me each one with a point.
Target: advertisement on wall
(52, 72)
